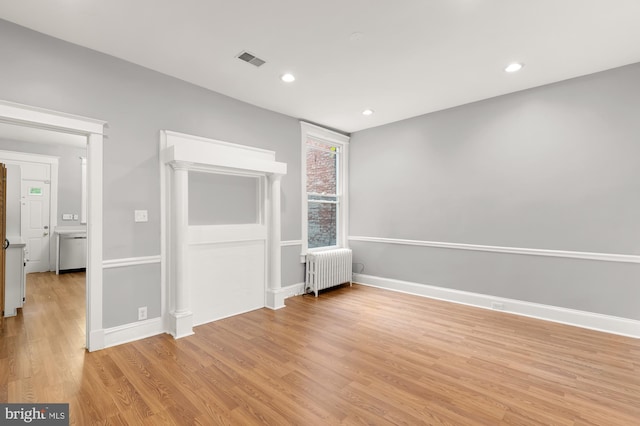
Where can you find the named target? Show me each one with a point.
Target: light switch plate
(141, 216)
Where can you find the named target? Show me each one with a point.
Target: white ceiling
(413, 56)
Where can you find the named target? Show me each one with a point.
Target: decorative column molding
(181, 316)
(274, 300)
(95, 334)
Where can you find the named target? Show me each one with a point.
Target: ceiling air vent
(252, 59)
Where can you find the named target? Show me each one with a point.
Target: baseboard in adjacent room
(590, 320)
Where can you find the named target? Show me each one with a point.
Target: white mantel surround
(179, 154)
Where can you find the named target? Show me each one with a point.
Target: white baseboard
(292, 290)
(96, 340)
(275, 298)
(134, 331)
(593, 321)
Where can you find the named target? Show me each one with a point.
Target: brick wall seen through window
(322, 197)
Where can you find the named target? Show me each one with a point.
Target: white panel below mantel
(221, 282)
(208, 234)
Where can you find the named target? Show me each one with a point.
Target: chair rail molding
(130, 261)
(606, 257)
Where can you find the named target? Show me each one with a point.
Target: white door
(35, 224)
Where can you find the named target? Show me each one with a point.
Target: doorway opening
(81, 132)
(32, 175)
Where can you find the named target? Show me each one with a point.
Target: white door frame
(180, 153)
(18, 158)
(92, 129)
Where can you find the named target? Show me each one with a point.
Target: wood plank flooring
(353, 356)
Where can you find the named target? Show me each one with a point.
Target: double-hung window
(324, 187)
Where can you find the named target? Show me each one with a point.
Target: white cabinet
(15, 278)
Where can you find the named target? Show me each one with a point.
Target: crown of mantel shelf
(194, 153)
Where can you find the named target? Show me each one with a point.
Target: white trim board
(589, 320)
(28, 157)
(291, 290)
(211, 153)
(130, 261)
(42, 118)
(606, 257)
(133, 331)
(291, 243)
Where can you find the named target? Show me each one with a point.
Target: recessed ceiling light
(367, 111)
(516, 66)
(357, 36)
(288, 78)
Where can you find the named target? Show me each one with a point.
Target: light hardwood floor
(353, 356)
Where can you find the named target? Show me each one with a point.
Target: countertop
(15, 241)
(65, 230)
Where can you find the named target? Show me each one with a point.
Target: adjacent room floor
(355, 355)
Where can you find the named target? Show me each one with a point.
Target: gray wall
(554, 167)
(217, 199)
(69, 173)
(137, 103)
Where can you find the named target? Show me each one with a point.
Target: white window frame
(311, 131)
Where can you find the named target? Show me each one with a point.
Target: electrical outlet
(497, 306)
(142, 313)
(141, 216)
(67, 216)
